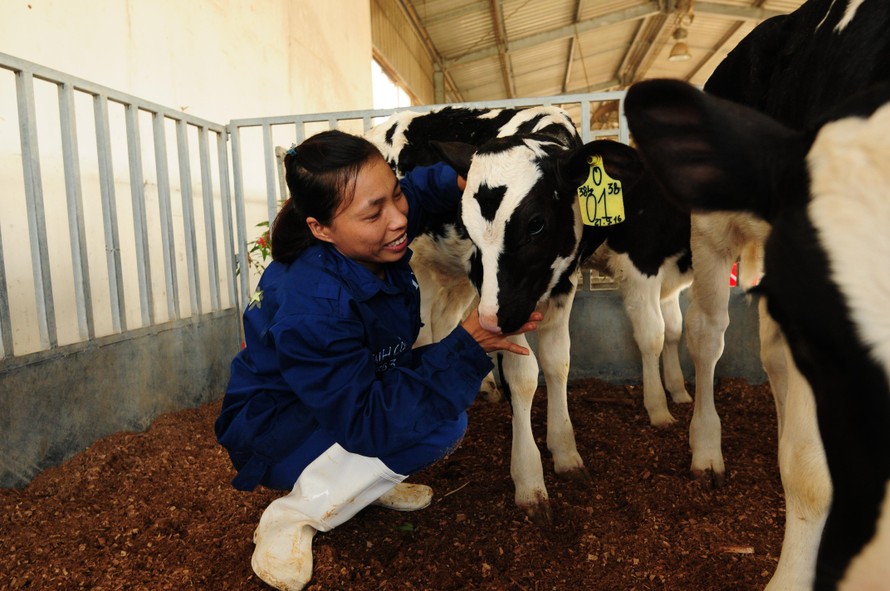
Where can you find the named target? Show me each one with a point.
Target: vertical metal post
(271, 172)
(209, 218)
(585, 121)
(623, 131)
(140, 225)
(188, 215)
(225, 198)
(46, 318)
(240, 216)
(74, 197)
(109, 214)
(168, 246)
(6, 343)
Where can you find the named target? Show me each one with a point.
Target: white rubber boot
(406, 497)
(330, 491)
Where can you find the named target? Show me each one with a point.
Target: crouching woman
(328, 399)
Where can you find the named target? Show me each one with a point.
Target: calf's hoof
(681, 397)
(579, 475)
(539, 512)
(662, 420)
(709, 478)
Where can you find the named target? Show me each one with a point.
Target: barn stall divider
(124, 246)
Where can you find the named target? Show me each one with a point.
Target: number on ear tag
(600, 197)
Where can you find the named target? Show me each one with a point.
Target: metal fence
(130, 220)
(267, 136)
(148, 230)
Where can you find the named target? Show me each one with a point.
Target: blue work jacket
(329, 355)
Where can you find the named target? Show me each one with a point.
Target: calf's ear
(711, 153)
(458, 155)
(621, 163)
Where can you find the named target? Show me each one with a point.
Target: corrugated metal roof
(496, 49)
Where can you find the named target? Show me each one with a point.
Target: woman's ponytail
(319, 174)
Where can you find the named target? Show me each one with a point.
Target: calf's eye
(535, 225)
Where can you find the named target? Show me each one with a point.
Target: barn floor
(155, 511)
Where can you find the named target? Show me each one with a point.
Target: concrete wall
(56, 404)
(603, 345)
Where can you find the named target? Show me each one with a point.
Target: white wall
(215, 59)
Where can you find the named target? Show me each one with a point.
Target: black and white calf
(520, 238)
(794, 68)
(826, 196)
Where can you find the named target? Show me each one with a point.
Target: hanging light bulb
(680, 50)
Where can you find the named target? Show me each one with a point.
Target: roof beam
(642, 52)
(745, 13)
(598, 87)
(572, 47)
(497, 24)
(471, 8)
(724, 41)
(430, 47)
(742, 13)
(565, 32)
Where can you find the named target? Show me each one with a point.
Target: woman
(328, 399)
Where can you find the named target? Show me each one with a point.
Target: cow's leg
(674, 381)
(774, 361)
(870, 570)
(553, 356)
(429, 293)
(489, 390)
(521, 374)
(805, 478)
(448, 308)
(642, 296)
(706, 321)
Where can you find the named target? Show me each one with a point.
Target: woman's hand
(495, 341)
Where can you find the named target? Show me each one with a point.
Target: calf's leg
(521, 374)
(674, 382)
(706, 321)
(805, 478)
(553, 356)
(642, 304)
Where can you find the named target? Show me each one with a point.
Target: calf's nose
(489, 321)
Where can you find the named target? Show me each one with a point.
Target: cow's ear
(710, 153)
(621, 163)
(457, 154)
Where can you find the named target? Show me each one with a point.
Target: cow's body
(828, 203)
(794, 68)
(520, 238)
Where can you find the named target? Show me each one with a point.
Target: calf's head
(520, 209)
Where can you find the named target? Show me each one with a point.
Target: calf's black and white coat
(519, 239)
(793, 68)
(825, 192)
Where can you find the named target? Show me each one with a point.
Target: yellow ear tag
(600, 197)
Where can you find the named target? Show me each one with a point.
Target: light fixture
(680, 50)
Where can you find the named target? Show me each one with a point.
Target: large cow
(826, 197)
(794, 68)
(520, 237)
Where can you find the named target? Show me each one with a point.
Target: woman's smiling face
(371, 225)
